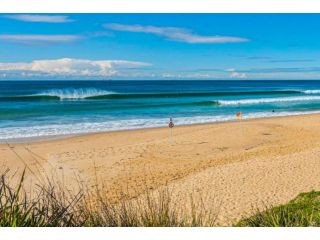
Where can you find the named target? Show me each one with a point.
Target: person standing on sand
(171, 125)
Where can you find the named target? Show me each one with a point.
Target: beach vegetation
(303, 211)
(53, 206)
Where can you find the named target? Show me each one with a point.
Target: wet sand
(242, 165)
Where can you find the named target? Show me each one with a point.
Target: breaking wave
(315, 91)
(71, 93)
(99, 94)
(20, 133)
(268, 100)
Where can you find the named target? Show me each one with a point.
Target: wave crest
(315, 91)
(99, 94)
(267, 100)
(73, 93)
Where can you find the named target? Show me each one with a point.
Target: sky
(159, 46)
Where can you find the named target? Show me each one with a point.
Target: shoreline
(48, 138)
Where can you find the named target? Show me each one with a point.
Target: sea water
(53, 108)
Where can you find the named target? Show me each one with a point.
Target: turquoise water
(51, 108)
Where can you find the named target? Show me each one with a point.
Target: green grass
(303, 211)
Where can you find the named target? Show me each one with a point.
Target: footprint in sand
(222, 148)
(266, 134)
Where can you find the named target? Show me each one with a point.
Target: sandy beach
(242, 165)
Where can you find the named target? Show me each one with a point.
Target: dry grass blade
(53, 206)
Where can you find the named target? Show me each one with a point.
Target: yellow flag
(239, 115)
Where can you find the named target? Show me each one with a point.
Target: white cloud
(188, 75)
(175, 34)
(170, 75)
(238, 75)
(29, 38)
(234, 74)
(67, 67)
(40, 18)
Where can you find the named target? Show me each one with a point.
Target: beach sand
(239, 166)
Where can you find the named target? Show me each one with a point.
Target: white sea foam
(74, 93)
(315, 91)
(267, 100)
(11, 133)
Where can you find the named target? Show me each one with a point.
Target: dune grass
(52, 206)
(303, 211)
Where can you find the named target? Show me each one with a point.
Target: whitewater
(39, 109)
(71, 93)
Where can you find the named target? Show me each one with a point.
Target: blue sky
(159, 46)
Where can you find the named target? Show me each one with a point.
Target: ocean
(31, 109)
